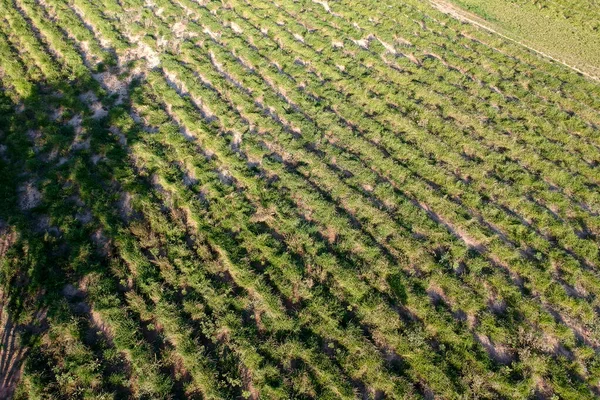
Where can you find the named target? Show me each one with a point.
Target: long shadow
(12, 352)
(47, 231)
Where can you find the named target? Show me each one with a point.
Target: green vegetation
(292, 199)
(568, 31)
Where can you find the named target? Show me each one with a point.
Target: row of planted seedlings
(66, 364)
(235, 268)
(45, 45)
(149, 376)
(269, 102)
(30, 49)
(74, 31)
(553, 80)
(189, 119)
(377, 108)
(388, 23)
(553, 74)
(588, 246)
(73, 65)
(16, 82)
(424, 76)
(80, 371)
(109, 294)
(572, 233)
(287, 290)
(260, 248)
(93, 16)
(185, 345)
(461, 57)
(147, 250)
(36, 258)
(90, 30)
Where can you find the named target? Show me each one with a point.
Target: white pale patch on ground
(88, 97)
(124, 204)
(79, 142)
(403, 41)
(236, 141)
(225, 177)
(175, 83)
(388, 46)
(99, 110)
(96, 158)
(57, 114)
(180, 30)
(84, 217)
(162, 43)
(498, 352)
(121, 137)
(111, 83)
(364, 43)
(411, 57)
(324, 4)
(189, 174)
(101, 241)
(213, 35)
(29, 196)
(34, 135)
(141, 51)
(236, 28)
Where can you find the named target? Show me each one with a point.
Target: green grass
(272, 200)
(568, 31)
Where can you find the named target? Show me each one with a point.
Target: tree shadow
(47, 233)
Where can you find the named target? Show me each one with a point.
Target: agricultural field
(292, 199)
(567, 31)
